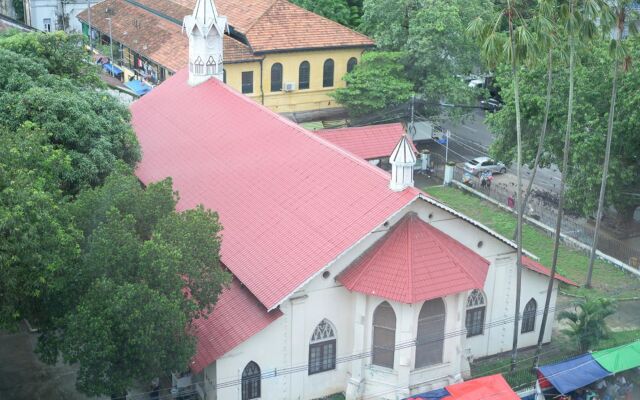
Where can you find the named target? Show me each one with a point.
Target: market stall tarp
(574, 373)
(138, 87)
(619, 358)
(112, 69)
(494, 387)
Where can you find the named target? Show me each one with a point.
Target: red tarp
(492, 387)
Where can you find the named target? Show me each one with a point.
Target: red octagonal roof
(414, 262)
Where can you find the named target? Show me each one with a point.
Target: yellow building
(280, 55)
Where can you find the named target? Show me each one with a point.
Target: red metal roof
(237, 316)
(289, 201)
(415, 262)
(368, 142)
(541, 269)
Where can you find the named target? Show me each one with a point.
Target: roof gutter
(300, 49)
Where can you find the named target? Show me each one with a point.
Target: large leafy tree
(89, 125)
(588, 136)
(60, 53)
(379, 81)
(432, 33)
(337, 10)
(136, 250)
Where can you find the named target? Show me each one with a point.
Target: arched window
(327, 73)
(430, 340)
(198, 66)
(476, 306)
(211, 66)
(224, 75)
(384, 335)
(276, 77)
(529, 317)
(251, 381)
(322, 348)
(303, 75)
(351, 64)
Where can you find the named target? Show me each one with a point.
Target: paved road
(471, 138)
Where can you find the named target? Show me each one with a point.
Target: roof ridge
(411, 216)
(323, 17)
(266, 10)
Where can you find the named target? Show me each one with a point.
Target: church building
(346, 279)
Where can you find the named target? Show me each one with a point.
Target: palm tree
(587, 323)
(579, 18)
(518, 44)
(619, 11)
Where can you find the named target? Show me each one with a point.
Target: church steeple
(402, 160)
(205, 29)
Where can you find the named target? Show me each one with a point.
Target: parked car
(481, 164)
(492, 104)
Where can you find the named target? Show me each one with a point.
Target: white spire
(205, 29)
(402, 160)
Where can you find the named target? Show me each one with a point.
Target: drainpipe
(261, 89)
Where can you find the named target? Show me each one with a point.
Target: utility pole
(110, 45)
(447, 134)
(412, 127)
(90, 33)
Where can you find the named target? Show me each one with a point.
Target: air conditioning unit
(289, 86)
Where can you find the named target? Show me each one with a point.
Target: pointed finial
(402, 160)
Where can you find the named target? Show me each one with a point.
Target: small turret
(402, 160)
(205, 29)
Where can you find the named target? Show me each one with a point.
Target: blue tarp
(432, 395)
(140, 88)
(111, 69)
(574, 373)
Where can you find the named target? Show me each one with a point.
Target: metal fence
(543, 207)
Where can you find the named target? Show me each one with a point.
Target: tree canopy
(377, 82)
(592, 91)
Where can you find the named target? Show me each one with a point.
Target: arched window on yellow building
(304, 71)
(276, 77)
(327, 73)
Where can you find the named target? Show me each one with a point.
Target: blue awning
(574, 373)
(111, 69)
(432, 395)
(138, 87)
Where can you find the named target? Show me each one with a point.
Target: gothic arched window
(304, 71)
(529, 317)
(198, 66)
(384, 335)
(211, 66)
(327, 73)
(476, 306)
(276, 77)
(322, 348)
(351, 64)
(224, 75)
(251, 381)
(430, 338)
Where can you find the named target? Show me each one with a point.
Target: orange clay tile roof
(163, 43)
(285, 26)
(268, 25)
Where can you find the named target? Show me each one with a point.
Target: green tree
(91, 126)
(587, 324)
(136, 250)
(60, 53)
(120, 334)
(336, 10)
(379, 81)
(35, 240)
(432, 35)
(619, 10)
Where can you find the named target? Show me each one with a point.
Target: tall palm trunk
(516, 89)
(543, 133)
(620, 17)
(565, 173)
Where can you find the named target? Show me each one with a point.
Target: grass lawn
(608, 280)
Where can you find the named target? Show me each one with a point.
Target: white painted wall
(284, 343)
(39, 10)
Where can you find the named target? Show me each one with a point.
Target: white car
(481, 164)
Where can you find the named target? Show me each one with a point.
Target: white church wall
(285, 343)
